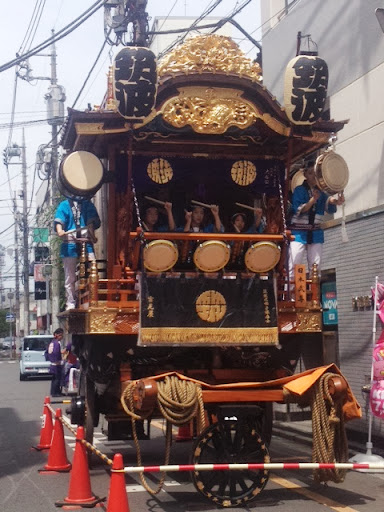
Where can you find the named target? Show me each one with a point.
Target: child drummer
(194, 220)
(151, 218)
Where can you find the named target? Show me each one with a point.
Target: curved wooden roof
(210, 99)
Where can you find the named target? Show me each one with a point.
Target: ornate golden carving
(209, 110)
(243, 172)
(160, 170)
(211, 306)
(210, 335)
(102, 321)
(209, 54)
(308, 321)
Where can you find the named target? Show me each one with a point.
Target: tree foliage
(4, 326)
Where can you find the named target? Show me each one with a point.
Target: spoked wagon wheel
(230, 441)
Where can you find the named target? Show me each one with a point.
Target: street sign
(10, 317)
(40, 290)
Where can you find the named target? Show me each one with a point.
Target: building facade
(349, 38)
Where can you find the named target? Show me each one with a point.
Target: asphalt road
(23, 488)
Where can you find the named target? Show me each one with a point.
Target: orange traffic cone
(80, 493)
(184, 433)
(117, 496)
(57, 459)
(46, 427)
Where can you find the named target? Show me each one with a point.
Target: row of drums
(211, 255)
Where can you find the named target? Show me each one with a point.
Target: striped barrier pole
(256, 466)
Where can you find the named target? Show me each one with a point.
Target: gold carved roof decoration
(209, 54)
(213, 110)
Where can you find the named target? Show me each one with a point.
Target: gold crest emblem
(160, 171)
(211, 306)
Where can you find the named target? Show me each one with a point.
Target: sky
(76, 54)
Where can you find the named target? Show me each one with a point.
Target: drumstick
(153, 200)
(246, 206)
(204, 205)
(75, 230)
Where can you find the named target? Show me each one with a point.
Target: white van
(32, 359)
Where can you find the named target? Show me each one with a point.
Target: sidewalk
(301, 432)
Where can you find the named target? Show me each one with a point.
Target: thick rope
(330, 443)
(179, 401)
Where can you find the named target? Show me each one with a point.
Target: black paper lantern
(135, 82)
(305, 88)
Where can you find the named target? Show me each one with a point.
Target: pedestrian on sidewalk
(53, 354)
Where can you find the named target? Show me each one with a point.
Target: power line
(92, 68)
(180, 39)
(56, 37)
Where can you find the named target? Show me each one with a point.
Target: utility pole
(55, 112)
(17, 272)
(27, 321)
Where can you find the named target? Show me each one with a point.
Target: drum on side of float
(211, 256)
(331, 172)
(297, 179)
(160, 255)
(80, 175)
(262, 257)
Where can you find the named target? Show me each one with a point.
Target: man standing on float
(309, 204)
(70, 217)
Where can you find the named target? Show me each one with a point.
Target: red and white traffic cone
(184, 433)
(57, 459)
(46, 427)
(117, 496)
(80, 494)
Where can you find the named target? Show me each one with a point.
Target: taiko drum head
(80, 175)
(297, 179)
(262, 257)
(160, 255)
(211, 256)
(331, 172)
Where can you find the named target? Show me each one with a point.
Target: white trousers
(304, 254)
(69, 265)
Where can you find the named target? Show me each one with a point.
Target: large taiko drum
(331, 172)
(80, 175)
(211, 256)
(160, 255)
(262, 257)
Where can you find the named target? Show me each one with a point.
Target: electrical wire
(35, 24)
(92, 68)
(31, 22)
(180, 39)
(57, 36)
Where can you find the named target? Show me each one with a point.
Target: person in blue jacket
(194, 220)
(309, 205)
(151, 219)
(53, 355)
(69, 217)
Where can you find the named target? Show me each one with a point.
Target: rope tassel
(330, 443)
(179, 402)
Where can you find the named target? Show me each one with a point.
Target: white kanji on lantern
(305, 89)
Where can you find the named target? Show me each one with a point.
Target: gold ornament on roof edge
(209, 54)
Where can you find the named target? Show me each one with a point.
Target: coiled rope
(179, 401)
(329, 436)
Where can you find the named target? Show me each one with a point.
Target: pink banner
(377, 389)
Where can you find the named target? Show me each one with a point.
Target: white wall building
(350, 40)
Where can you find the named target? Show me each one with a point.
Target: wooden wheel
(230, 441)
(88, 391)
